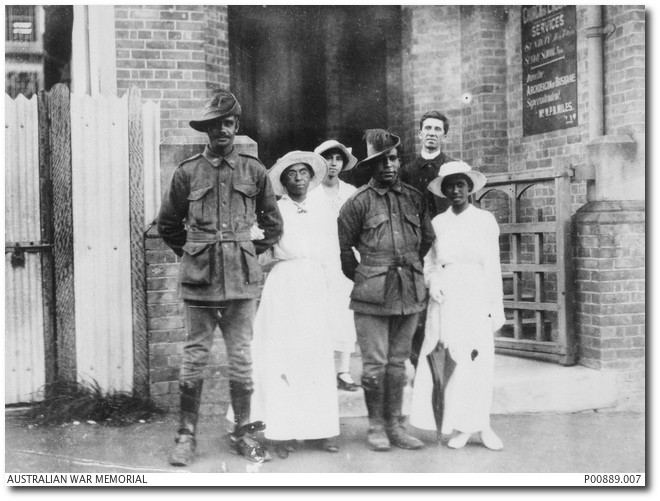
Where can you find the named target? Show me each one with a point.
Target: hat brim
(210, 115)
(374, 156)
(315, 161)
(477, 178)
(202, 124)
(332, 144)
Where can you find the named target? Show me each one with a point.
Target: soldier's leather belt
(219, 236)
(406, 259)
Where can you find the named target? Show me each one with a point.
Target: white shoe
(459, 441)
(491, 440)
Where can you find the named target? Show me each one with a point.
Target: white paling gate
(82, 183)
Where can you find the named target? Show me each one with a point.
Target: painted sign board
(549, 68)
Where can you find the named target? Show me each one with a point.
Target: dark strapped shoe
(345, 385)
(246, 446)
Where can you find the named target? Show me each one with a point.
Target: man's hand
(256, 233)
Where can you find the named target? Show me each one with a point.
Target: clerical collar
(430, 156)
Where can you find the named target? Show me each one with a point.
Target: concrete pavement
(583, 442)
(551, 419)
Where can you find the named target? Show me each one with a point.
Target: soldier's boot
(190, 393)
(242, 439)
(395, 382)
(374, 397)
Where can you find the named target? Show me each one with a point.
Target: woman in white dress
(333, 192)
(463, 273)
(295, 393)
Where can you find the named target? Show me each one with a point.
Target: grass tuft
(68, 401)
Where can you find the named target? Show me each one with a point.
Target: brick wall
(466, 62)
(610, 267)
(216, 37)
(431, 63)
(484, 72)
(625, 65)
(174, 54)
(610, 237)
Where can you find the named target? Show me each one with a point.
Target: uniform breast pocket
(376, 229)
(199, 207)
(247, 193)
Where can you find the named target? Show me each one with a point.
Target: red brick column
(610, 269)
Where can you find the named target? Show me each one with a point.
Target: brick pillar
(216, 47)
(484, 92)
(173, 54)
(610, 234)
(610, 281)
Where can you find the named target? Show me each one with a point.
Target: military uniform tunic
(391, 230)
(206, 216)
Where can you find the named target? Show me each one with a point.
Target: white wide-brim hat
(457, 167)
(332, 144)
(316, 162)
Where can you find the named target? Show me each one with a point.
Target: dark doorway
(309, 73)
(57, 44)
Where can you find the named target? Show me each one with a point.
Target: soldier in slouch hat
(218, 214)
(387, 222)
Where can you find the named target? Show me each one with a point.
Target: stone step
(521, 386)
